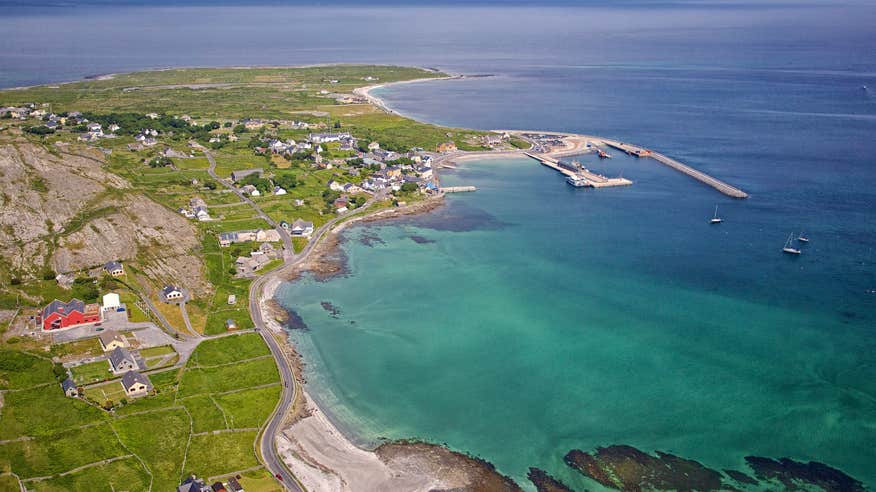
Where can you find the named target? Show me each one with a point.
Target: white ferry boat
(577, 181)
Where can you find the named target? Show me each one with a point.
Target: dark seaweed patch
(333, 310)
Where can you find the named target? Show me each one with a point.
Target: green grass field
(68, 433)
(93, 372)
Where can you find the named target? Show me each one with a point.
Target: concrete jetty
(593, 180)
(678, 166)
(458, 189)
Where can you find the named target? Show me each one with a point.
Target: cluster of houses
(122, 362)
(197, 210)
(248, 235)
(194, 484)
(247, 265)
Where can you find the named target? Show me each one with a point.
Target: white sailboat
(802, 238)
(715, 218)
(788, 249)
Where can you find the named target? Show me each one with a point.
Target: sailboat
(788, 249)
(715, 218)
(802, 238)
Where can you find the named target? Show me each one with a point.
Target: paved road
(288, 250)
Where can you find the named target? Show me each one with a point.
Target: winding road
(268, 450)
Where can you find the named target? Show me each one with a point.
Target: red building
(60, 314)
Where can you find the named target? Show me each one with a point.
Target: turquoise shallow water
(530, 318)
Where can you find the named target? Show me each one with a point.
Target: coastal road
(272, 461)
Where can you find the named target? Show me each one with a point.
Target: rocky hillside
(62, 210)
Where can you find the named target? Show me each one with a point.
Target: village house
(121, 360)
(234, 485)
(250, 190)
(70, 389)
(111, 302)
(341, 204)
(301, 228)
(251, 124)
(373, 146)
(59, 314)
(249, 264)
(279, 191)
(111, 340)
(238, 175)
(260, 235)
(351, 189)
(152, 116)
(193, 484)
(319, 138)
(232, 299)
(171, 293)
(230, 324)
(335, 185)
(136, 384)
(218, 487)
(114, 268)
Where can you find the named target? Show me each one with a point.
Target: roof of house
(301, 223)
(234, 485)
(110, 336)
(67, 384)
(218, 487)
(63, 308)
(191, 484)
(168, 289)
(112, 266)
(119, 355)
(133, 377)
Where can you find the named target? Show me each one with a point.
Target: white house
(171, 293)
(279, 191)
(301, 228)
(335, 186)
(111, 302)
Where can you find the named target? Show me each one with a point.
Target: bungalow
(111, 340)
(335, 186)
(373, 146)
(193, 484)
(251, 190)
(87, 137)
(136, 384)
(251, 124)
(171, 293)
(94, 128)
(425, 172)
(70, 388)
(114, 268)
(238, 175)
(230, 324)
(59, 314)
(121, 360)
(111, 302)
(232, 299)
(301, 228)
(279, 191)
(351, 188)
(201, 213)
(114, 127)
(447, 147)
(52, 124)
(341, 204)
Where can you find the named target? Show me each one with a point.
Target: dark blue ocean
(529, 318)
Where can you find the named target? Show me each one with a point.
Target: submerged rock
(421, 240)
(544, 482)
(740, 477)
(295, 321)
(627, 468)
(794, 475)
(333, 310)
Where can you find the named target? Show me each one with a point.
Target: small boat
(577, 181)
(788, 249)
(802, 238)
(715, 218)
(603, 154)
